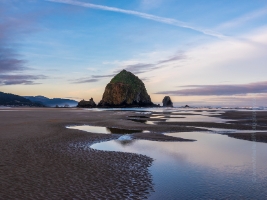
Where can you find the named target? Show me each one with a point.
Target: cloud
(103, 76)
(90, 80)
(140, 68)
(9, 62)
(137, 68)
(12, 29)
(164, 20)
(179, 56)
(20, 79)
(9, 59)
(243, 19)
(219, 90)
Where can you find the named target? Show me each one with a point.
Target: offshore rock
(167, 102)
(87, 104)
(125, 90)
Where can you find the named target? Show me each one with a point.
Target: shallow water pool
(213, 167)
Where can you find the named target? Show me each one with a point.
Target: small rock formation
(87, 104)
(186, 106)
(167, 102)
(125, 90)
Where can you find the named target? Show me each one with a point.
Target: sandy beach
(42, 159)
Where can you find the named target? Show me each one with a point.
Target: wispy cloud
(164, 20)
(244, 18)
(10, 28)
(219, 90)
(179, 56)
(139, 68)
(20, 79)
(103, 76)
(11, 63)
(89, 80)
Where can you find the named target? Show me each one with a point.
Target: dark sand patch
(245, 115)
(246, 118)
(159, 137)
(214, 125)
(257, 137)
(185, 114)
(145, 117)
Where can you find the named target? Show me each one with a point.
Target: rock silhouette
(167, 102)
(87, 104)
(125, 90)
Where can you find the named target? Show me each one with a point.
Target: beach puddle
(227, 131)
(195, 118)
(105, 130)
(215, 166)
(182, 116)
(142, 121)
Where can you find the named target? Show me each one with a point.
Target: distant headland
(123, 91)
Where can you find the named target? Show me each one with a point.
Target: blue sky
(198, 52)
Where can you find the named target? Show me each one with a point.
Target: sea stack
(167, 102)
(87, 104)
(125, 90)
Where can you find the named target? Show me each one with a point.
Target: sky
(198, 52)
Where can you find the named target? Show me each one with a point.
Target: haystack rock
(86, 104)
(167, 102)
(125, 90)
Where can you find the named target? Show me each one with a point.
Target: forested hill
(7, 99)
(52, 102)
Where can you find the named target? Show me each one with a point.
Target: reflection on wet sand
(213, 165)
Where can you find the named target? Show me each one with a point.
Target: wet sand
(41, 159)
(159, 137)
(229, 125)
(255, 137)
(245, 118)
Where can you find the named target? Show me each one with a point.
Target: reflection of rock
(167, 102)
(122, 131)
(125, 140)
(125, 90)
(87, 104)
